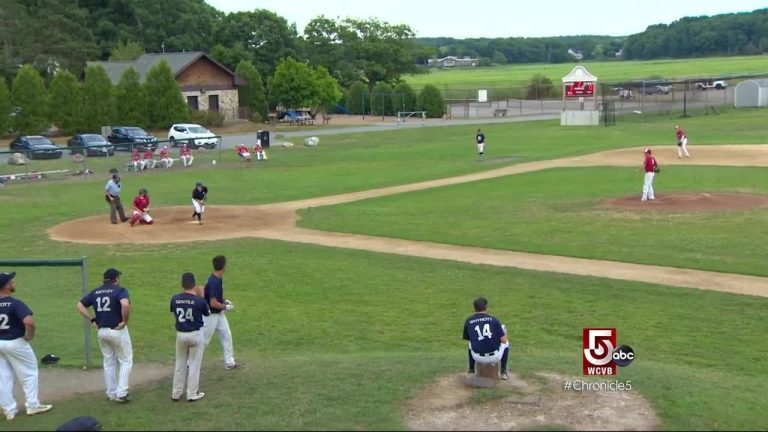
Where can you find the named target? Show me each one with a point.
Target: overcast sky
(500, 18)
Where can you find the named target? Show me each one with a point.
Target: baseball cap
(188, 280)
(648, 151)
(111, 274)
(6, 277)
(199, 184)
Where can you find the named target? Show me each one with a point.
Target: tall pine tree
(132, 108)
(99, 100)
(29, 96)
(65, 102)
(5, 107)
(252, 93)
(166, 105)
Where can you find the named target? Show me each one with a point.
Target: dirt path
(278, 222)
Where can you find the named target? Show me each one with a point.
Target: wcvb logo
(601, 355)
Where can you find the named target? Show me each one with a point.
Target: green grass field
(340, 339)
(606, 71)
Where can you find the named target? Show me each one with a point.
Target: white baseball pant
(261, 155)
(480, 148)
(245, 155)
(168, 162)
(200, 208)
(137, 165)
(118, 360)
(217, 323)
(682, 148)
(17, 358)
(189, 357)
(648, 187)
(187, 160)
(148, 163)
(494, 357)
(143, 216)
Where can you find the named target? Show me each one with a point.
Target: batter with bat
(199, 195)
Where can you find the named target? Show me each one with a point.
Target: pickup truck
(706, 85)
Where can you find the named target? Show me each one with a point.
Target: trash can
(264, 137)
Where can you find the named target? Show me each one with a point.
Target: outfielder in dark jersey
(487, 338)
(188, 310)
(480, 141)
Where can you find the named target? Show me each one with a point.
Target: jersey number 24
(184, 314)
(485, 333)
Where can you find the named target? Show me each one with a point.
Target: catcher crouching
(141, 209)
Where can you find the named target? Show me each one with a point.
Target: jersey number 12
(102, 304)
(486, 332)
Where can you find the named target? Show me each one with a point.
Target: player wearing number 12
(487, 338)
(112, 306)
(188, 309)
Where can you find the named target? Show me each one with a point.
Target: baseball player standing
(480, 140)
(17, 358)
(113, 308)
(487, 338)
(649, 166)
(217, 321)
(141, 209)
(682, 143)
(199, 195)
(188, 309)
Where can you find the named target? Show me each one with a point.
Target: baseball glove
(657, 170)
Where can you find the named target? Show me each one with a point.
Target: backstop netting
(51, 288)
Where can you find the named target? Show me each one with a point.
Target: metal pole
(362, 96)
(86, 324)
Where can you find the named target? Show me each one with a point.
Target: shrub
(215, 118)
(540, 87)
(355, 98)
(431, 101)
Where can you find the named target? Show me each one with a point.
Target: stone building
(206, 84)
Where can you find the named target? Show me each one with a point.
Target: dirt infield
(692, 202)
(278, 222)
(535, 403)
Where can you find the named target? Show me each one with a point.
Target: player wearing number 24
(113, 307)
(188, 309)
(487, 338)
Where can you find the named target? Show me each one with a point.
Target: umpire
(112, 195)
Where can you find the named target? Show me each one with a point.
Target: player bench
(158, 164)
(500, 112)
(30, 175)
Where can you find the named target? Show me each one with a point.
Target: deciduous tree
(431, 101)
(99, 106)
(252, 93)
(5, 107)
(30, 101)
(293, 85)
(132, 107)
(165, 104)
(65, 102)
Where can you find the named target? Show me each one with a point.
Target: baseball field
(606, 71)
(353, 265)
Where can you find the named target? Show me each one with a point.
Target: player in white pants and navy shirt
(17, 358)
(188, 310)
(217, 321)
(487, 338)
(113, 307)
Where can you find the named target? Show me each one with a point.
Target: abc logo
(623, 356)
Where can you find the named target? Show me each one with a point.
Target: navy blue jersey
(106, 302)
(12, 314)
(188, 310)
(214, 288)
(484, 333)
(480, 138)
(200, 194)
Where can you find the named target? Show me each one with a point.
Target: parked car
(36, 147)
(716, 84)
(127, 137)
(658, 90)
(195, 136)
(93, 144)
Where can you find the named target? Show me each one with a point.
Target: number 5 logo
(599, 345)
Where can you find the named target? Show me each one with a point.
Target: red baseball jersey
(164, 153)
(141, 202)
(135, 155)
(185, 151)
(241, 148)
(680, 134)
(257, 148)
(650, 163)
(149, 154)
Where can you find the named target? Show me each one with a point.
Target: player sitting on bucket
(141, 209)
(242, 151)
(259, 150)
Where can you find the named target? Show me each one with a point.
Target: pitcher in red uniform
(682, 143)
(141, 209)
(649, 165)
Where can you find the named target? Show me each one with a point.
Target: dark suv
(127, 137)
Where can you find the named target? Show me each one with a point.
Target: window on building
(192, 103)
(213, 103)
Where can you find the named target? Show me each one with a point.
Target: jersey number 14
(485, 333)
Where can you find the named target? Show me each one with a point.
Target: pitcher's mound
(693, 202)
(526, 404)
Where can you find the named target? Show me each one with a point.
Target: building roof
(179, 62)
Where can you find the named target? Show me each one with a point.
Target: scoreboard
(580, 88)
